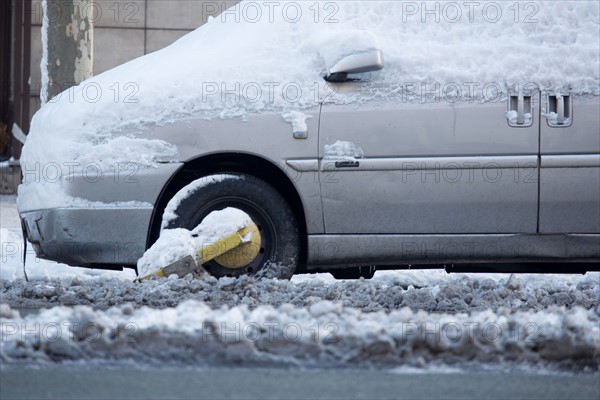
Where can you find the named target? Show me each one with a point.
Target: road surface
(120, 382)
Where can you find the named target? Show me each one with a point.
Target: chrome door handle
(520, 110)
(559, 110)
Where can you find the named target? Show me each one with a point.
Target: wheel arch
(250, 164)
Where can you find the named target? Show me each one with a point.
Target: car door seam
(539, 183)
(319, 176)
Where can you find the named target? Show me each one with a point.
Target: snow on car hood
(237, 64)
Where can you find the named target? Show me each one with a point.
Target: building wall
(127, 29)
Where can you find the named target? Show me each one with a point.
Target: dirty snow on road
(410, 318)
(323, 334)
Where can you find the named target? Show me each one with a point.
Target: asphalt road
(122, 382)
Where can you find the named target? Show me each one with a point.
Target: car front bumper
(109, 224)
(89, 237)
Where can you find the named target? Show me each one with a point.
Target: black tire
(280, 247)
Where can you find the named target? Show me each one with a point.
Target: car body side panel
(581, 137)
(267, 136)
(570, 171)
(340, 251)
(448, 169)
(130, 183)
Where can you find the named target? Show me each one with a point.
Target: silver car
(510, 185)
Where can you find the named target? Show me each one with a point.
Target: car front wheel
(273, 254)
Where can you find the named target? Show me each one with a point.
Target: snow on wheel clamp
(228, 248)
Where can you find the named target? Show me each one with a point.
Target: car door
(570, 164)
(438, 167)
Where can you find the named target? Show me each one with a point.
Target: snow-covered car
(474, 145)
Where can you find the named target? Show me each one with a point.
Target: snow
(513, 117)
(175, 244)
(322, 335)
(234, 66)
(553, 118)
(219, 224)
(333, 46)
(172, 245)
(342, 150)
(431, 291)
(298, 121)
(170, 210)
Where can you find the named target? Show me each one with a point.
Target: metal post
(69, 44)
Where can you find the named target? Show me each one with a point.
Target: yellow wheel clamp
(207, 253)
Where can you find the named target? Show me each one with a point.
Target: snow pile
(439, 292)
(324, 334)
(234, 66)
(175, 244)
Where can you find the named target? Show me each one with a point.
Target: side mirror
(355, 63)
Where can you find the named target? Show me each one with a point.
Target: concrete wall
(127, 29)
